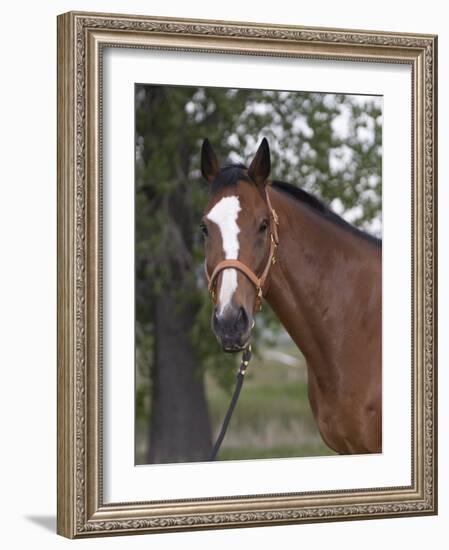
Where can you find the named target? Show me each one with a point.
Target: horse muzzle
(232, 327)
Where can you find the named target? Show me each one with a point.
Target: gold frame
(81, 37)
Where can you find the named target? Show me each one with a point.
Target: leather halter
(258, 282)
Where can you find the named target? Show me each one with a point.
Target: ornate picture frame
(82, 38)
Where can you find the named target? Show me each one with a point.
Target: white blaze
(224, 214)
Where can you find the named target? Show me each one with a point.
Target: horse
(320, 275)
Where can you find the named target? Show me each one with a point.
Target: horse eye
(263, 226)
(204, 229)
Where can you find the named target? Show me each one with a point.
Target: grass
(282, 451)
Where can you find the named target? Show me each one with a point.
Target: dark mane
(232, 173)
(317, 205)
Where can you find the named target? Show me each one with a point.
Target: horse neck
(314, 287)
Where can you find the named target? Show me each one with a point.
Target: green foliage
(329, 144)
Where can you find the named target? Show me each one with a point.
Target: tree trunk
(180, 428)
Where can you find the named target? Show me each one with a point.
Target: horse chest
(347, 425)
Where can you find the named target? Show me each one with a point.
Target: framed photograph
(246, 274)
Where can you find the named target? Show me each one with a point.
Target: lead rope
(246, 356)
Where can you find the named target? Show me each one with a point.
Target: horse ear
(209, 162)
(260, 167)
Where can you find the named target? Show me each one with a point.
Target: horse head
(240, 234)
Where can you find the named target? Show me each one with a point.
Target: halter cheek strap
(258, 282)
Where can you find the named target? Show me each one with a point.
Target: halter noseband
(258, 282)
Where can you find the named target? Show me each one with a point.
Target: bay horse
(319, 274)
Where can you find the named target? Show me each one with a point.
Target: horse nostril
(242, 320)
